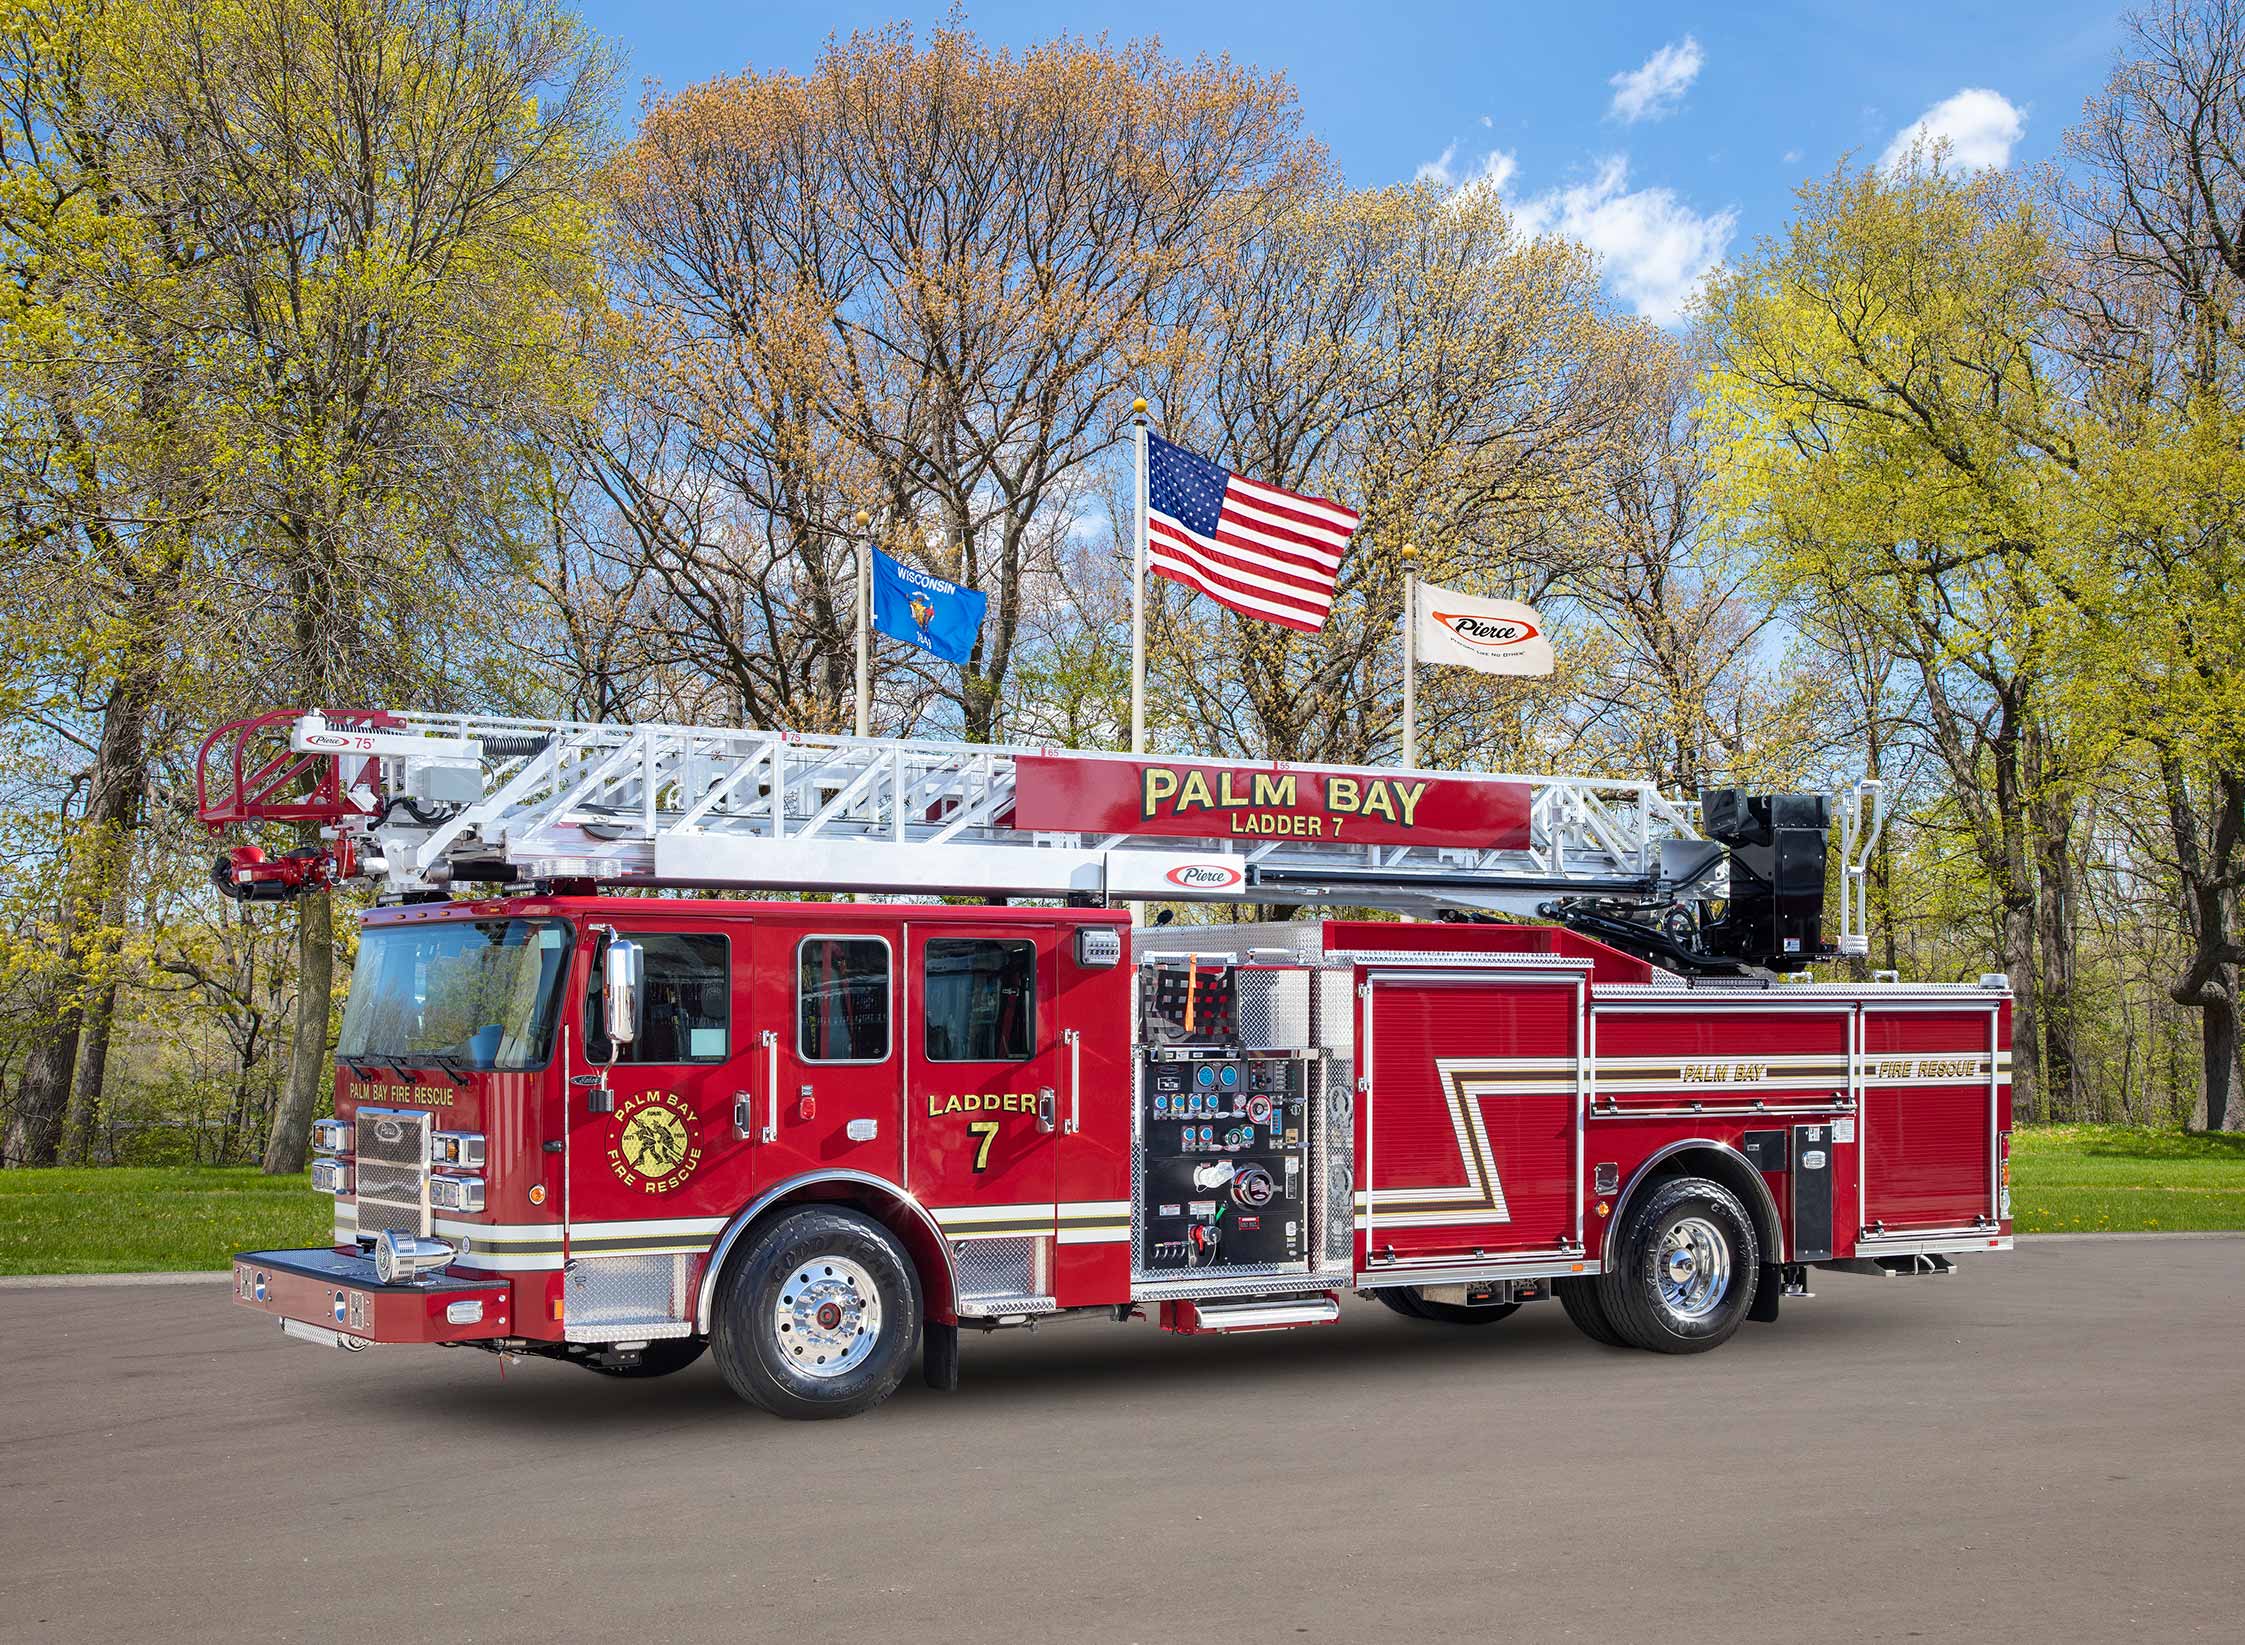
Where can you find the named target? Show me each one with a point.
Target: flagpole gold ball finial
(1138, 408)
(863, 519)
(1410, 551)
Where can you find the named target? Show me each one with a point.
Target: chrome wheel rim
(1693, 1268)
(828, 1316)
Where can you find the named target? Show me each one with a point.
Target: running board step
(1257, 1314)
(1894, 1267)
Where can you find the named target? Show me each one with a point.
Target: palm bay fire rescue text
(820, 1137)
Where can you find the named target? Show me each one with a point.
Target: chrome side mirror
(622, 966)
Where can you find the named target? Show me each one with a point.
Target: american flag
(1264, 552)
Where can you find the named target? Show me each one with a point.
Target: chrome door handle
(771, 1131)
(1045, 1109)
(1074, 1042)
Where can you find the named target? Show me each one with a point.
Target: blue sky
(1667, 136)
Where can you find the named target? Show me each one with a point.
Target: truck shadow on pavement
(1096, 1360)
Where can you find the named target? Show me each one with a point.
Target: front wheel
(820, 1317)
(1681, 1276)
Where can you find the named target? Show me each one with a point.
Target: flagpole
(1138, 584)
(1410, 656)
(864, 623)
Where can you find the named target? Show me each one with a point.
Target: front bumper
(343, 1294)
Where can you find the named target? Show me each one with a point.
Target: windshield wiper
(364, 1066)
(450, 1064)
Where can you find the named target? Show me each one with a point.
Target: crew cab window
(842, 999)
(686, 1001)
(980, 999)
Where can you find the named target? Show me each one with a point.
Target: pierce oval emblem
(1205, 876)
(1487, 633)
(389, 1130)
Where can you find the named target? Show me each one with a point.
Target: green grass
(149, 1219)
(2098, 1178)
(132, 1219)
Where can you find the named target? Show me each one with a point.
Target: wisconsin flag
(1494, 636)
(937, 616)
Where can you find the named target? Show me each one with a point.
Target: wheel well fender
(878, 1198)
(1719, 1161)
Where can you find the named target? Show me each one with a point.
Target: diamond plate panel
(1336, 1012)
(616, 1299)
(1336, 1163)
(1274, 1009)
(987, 1268)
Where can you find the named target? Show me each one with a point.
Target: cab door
(648, 1132)
(986, 1077)
(827, 1082)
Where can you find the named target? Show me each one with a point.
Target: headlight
(330, 1176)
(402, 1256)
(456, 1193)
(463, 1149)
(332, 1136)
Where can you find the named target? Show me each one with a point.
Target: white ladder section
(440, 798)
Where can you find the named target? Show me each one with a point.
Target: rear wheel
(820, 1317)
(1412, 1303)
(657, 1359)
(1681, 1277)
(1581, 1300)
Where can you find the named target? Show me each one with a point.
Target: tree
(390, 198)
(2157, 309)
(1410, 353)
(1892, 436)
(917, 281)
(112, 479)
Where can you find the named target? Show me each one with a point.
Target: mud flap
(1769, 1286)
(939, 1356)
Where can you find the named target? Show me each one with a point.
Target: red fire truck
(819, 1122)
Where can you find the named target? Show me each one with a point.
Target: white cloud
(1655, 247)
(1486, 121)
(1653, 91)
(1978, 126)
(1792, 157)
(1438, 169)
(1494, 171)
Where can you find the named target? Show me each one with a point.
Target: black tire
(657, 1359)
(1411, 1304)
(1401, 1299)
(1693, 1235)
(1580, 1298)
(817, 1287)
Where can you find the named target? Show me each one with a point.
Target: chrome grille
(393, 1170)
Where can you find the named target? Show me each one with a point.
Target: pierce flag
(1494, 636)
(935, 615)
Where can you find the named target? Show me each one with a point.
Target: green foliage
(2110, 1178)
(143, 1221)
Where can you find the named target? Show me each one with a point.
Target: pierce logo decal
(1205, 876)
(1486, 633)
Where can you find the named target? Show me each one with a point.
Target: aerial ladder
(419, 804)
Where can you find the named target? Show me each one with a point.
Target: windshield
(484, 993)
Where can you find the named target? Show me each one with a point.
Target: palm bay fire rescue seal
(655, 1148)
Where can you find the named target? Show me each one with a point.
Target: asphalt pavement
(2043, 1446)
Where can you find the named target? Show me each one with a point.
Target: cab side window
(842, 999)
(980, 999)
(686, 1002)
